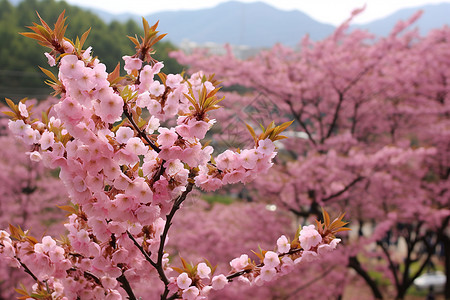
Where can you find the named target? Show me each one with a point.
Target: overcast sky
(328, 11)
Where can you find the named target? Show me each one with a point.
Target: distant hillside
(260, 25)
(434, 16)
(254, 24)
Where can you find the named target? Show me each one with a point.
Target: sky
(327, 11)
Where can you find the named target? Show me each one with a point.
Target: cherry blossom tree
(130, 151)
(370, 136)
(29, 197)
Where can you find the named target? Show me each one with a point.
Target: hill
(254, 24)
(434, 16)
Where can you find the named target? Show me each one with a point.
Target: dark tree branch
(126, 286)
(176, 205)
(346, 188)
(140, 132)
(355, 265)
(391, 263)
(335, 116)
(28, 271)
(146, 255)
(299, 120)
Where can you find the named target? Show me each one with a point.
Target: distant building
(239, 51)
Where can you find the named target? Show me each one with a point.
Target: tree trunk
(354, 263)
(446, 244)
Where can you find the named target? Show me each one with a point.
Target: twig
(158, 265)
(28, 271)
(126, 286)
(146, 255)
(140, 132)
(169, 217)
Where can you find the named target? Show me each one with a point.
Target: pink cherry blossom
(271, 259)
(123, 134)
(23, 109)
(219, 282)
(131, 63)
(283, 245)
(191, 293)
(203, 270)
(268, 273)
(183, 281)
(309, 237)
(167, 137)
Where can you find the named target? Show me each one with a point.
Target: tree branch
(335, 116)
(346, 188)
(126, 286)
(28, 271)
(355, 264)
(302, 124)
(146, 255)
(141, 133)
(169, 217)
(392, 266)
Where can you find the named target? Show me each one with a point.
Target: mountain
(254, 24)
(260, 25)
(434, 16)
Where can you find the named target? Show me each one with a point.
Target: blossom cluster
(127, 168)
(197, 282)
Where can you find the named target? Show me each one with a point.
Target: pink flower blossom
(108, 282)
(68, 47)
(249, 157)
(271, 259)
(173, 80)
(268, 273)
(219, 282)
(110, 108)
(283, 245)
(23, 110)
(325, 248)
(136, 146)
(183, 281)
(30, 136)
(240, 262)
(71, 67)
(309, 237)
(266, 147)
(153, 124)
(203, 270)
(17, 127)
(143, 100)
(51, 59)
(227, 160)
(167, 137)
(47, 139)
(190, 293)
(35, 156)
(156, 89)
(198, 129)
(131, 63)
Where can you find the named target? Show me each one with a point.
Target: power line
(21, 73)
